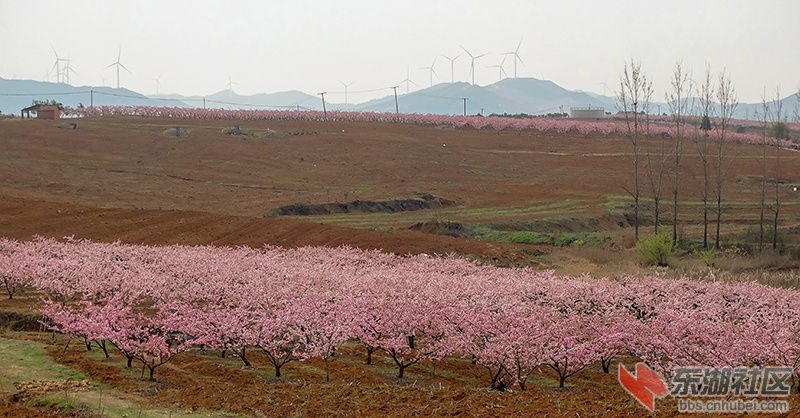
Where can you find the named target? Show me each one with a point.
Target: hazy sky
(192, 47)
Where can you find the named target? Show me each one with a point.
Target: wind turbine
(229, 87)
(158, 83)
(452, 73)
(119, 64)
(431, 70)
(407, 81)
(516, 57)
(472, 63)
(67, 70)
(502, 70)
(605, 86)
(57, 65)
(345, 90)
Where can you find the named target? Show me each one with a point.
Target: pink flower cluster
(294, 304)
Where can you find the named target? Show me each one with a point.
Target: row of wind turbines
(63, 72)
(63, 69)
(473, 58)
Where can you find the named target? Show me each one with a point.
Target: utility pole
(324, 111)
(396, 106)
(465, 105)
(204, 103)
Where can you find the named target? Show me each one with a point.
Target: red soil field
(123, 179)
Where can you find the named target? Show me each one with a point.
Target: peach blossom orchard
(152, 303)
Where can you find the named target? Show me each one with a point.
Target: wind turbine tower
(57, 66)
(158, 83)
(407, 80)
(432, 71)
(118, 64)
(345, 90)
(472, 63)
(516, 57)
(502, 70)
(229, 87)
(67, 69)
(452, 72)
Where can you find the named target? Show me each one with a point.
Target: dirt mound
(448, 228)
(16, 321)
(176, 132)
(240, 132)
(425, 201)
(27, 390)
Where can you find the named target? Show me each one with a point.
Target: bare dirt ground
(122, 179)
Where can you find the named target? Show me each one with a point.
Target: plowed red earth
(121, 179)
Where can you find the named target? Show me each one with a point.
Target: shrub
(527, 237)
(656, 249)
(708, 257)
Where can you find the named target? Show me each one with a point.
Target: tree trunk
(243, 355)
(370, 350)
(705, 225)
(102, 347)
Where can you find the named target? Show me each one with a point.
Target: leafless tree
(705, 111)
(778, 105)
(656, 166)
(633, 97)
(797, 105)
(763, 115)
(728, 102)
(678, 102)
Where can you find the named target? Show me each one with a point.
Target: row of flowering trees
(658, 127)
(153, 303)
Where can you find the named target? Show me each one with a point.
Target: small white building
(587, 113)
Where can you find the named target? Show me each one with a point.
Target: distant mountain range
(508, 96)
(18, 94)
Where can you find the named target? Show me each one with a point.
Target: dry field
(127, 179)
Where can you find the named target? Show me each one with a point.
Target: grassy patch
(24, 360)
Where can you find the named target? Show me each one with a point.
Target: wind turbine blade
(111, 65)
(482, 55)
(129, 71)
(465, 50)
(54, 51)
(518, 45)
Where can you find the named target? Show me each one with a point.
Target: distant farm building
(587, 113)
(43, 111)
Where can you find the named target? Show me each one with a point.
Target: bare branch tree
(778, 105)
(797, 105)
(764, 116)
(705, 94)
(634, 96)
(728, 102)
(655, 177)
(678, 102)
